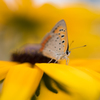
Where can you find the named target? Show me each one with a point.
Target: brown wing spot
(63, 41)
(62, 36)
(58, 29)
(44, 42)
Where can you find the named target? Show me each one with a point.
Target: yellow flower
(21, 81)
(25, 80)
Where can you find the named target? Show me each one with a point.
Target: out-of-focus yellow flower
(21, 81)
(93, 64)
(23, 23)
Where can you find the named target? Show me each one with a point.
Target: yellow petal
(62, 62)
(92, 64)
(4, 68)
(45, 94)
(92, 73)
(80, 82)
(4, 7)
(21, 82)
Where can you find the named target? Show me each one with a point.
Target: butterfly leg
(67, 61)
(50, 61)
(57, 59)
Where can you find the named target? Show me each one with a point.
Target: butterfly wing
(61, 29)
(55, 43)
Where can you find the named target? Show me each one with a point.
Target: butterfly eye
(67, 52)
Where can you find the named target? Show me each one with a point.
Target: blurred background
(27, 21)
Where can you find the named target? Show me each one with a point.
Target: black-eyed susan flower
(23, 78)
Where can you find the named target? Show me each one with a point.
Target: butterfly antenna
(78, 47)
(71, 43)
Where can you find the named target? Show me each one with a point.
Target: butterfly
(55, 44)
